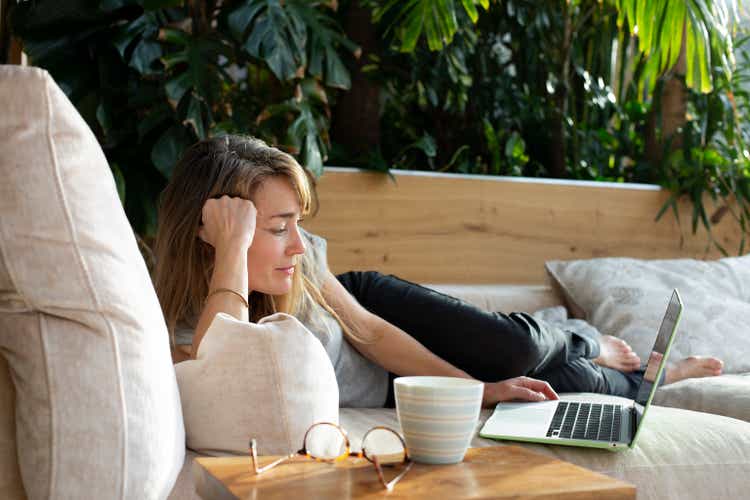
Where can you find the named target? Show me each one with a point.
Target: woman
(229, 226)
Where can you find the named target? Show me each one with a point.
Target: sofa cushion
(97, 408)
(268, 381)
(627, 298)
(680, 453)
(503, 298)
(727, 395)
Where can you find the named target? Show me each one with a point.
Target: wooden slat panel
(471, 229)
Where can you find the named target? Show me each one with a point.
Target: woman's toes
(706, 363)
(714, 364)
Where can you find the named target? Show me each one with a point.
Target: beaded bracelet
(238, 294)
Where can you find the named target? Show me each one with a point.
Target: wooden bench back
(443, 228)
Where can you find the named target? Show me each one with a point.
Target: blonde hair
(230, 165)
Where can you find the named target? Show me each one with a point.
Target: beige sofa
(88, 399)
(681, 454)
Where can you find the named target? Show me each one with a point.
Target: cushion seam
(52, 441)
(283, 403)
(87, 278)
(6, 260)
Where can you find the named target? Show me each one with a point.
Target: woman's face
(272, 258)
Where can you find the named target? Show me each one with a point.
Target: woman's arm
(394, 350)
(230, 271)
(400, 353)
(229, 227)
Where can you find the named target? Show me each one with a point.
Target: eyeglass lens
(386, 444)
(325, 441)
(328, 442)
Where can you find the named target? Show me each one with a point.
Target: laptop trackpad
(521, 419)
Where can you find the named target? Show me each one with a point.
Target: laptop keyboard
(593, 421)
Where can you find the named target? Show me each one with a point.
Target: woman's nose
(297, 245)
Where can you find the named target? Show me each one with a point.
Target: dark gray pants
(489, 346)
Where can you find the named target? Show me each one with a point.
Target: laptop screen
(668, 324)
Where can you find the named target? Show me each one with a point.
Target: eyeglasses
(327, 442)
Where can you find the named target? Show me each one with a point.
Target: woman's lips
(287, 270)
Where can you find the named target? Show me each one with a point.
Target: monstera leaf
(269, 31)
(291, 37)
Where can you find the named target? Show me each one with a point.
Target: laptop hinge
(634, 421)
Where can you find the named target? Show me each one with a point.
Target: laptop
(590, 424)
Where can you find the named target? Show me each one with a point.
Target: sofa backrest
(469, 229)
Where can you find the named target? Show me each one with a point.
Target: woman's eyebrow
(285, 215)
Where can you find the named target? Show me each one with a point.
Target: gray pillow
(627, 298)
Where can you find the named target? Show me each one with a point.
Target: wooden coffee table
(492, 472)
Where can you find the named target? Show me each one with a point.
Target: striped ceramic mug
(438, 416)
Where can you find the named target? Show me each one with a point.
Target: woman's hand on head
(228, 221)
(519, 389)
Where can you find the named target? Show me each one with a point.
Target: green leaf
(240, 18)
(456, 155)
(515, 147)
(145, 26)
(174, 58)
(176, 87)
(471, 10)
(278, 39)
(194, 117)
(153, 119)
(324, 39)
(412, 29)
(119, 182)
(493, 146)
(144, 54)
(664, 208)
(697, 208)
(337, 75)
(174, 36)
(160, 4)
(104, 117)
(427, 144)
(168, 148)
(110, 5)
(313, 156)
(708, 28)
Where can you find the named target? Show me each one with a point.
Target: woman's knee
(525, 338)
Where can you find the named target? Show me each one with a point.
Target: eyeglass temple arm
(254, 455)
(390, 484)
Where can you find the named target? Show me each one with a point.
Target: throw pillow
(269, 380)
(97, 411)
(627, 298)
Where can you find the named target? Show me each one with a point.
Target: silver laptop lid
(657, 359)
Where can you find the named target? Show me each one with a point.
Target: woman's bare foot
(693, 367)
(616, 353)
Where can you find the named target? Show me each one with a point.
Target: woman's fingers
(202, 234)
(539, 386)
(228, 220)
(525, 394)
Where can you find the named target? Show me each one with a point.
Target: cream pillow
(269, 380)
(97, 411)
(627, 298)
